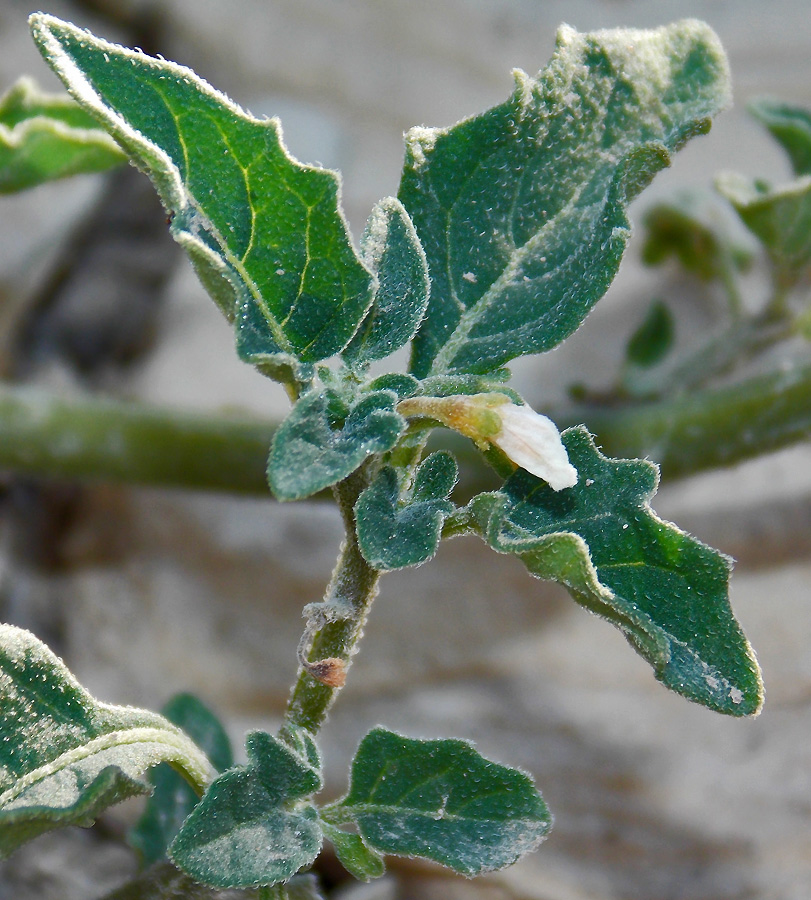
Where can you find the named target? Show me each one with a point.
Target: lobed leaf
(393, 252)
(253, 826)
(47, 136)
(265, 233)
(321, 442)
(65, 756)
(665, 590)
(521, 209)
(172, 798)
(441, 800)
(395, 529)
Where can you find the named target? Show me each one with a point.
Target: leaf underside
(443, 801)
(664, 589)
(265, 232)
(521, 209)
(64, 756)
(48, 136)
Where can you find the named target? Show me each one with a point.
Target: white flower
(533, 442)
(530, 440)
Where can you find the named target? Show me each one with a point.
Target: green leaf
(780, 217)
(321, 441)
(172, 798)
(790, 125)
(252, 826)
(397, 530)
(441, 800)
(521, 209)
(693, 228)
(49, 136)
(392, 250)
(665, 590)
(650, 343)
(265, 232)
(361, 862)
(64, 756)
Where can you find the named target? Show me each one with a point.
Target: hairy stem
(102, 440)
(346, 605)
(88, 438)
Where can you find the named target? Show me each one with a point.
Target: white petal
(533, 442)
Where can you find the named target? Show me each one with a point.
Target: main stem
(352, 588)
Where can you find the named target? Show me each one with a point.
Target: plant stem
(92, 439)
(351, 591)
(107, 440)
(710, 428)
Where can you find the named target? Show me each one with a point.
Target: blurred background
(148, 592)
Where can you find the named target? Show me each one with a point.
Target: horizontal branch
(92, 439)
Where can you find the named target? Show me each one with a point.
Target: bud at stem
(530, 440)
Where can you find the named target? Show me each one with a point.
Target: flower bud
(530, 440)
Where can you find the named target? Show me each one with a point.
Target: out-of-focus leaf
(173, 798)
(49, 136)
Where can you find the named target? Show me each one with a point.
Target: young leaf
(320, 442)
(665, 590)
(64, 756)
(265, 232)
(391, 250)
(780, 217)
(172, 798)
(252, 827)
(791, 126)
(48, 136)
(521, 209)
(361, 862)
(396, 531)
(650, 342)
(441, 800)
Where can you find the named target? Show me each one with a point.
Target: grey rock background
(147, 593)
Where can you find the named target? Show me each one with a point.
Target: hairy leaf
(49, 136)
(265, 232)
(321, 442)
(391, 250)
(441, 800)
(173, 798)
(791, 126)
(521, 209)
(361, 862)
(665, 590)
(397, 530)
(64, 756)
(252, 826)
(780, 216)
